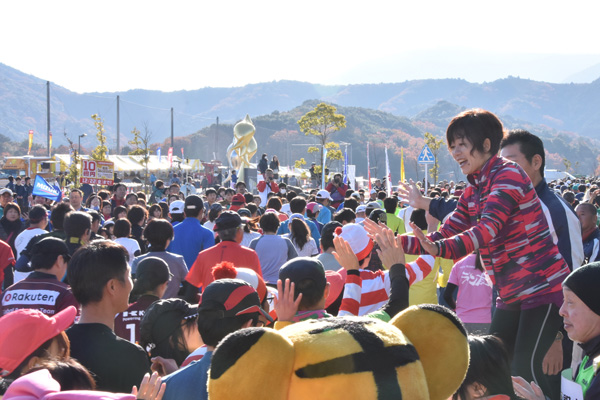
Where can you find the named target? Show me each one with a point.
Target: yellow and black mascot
(422, 353)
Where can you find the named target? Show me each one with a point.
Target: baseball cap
(228, 298)
(24, 331)
(357, 238)
(37, 214)
(228, 219)
(297, 216)
(238, 201)
(151, 272)
(162, 319)
(373, 191)
(176, 207)
(48, 248)
(193, 202)
(304, 268)
(356, 195)
(6, 190)
(323, 194)
(361, 208)
(373, 205)
(336, 286)
(244, 212)
(313, 207)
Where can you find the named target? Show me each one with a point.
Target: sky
(111, 46)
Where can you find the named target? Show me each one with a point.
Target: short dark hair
(213, 330)
(136, 214)
(418, 217)
(77, 223)
(248, 197)
(390, 204)
(345, 215)
(76, 191)
(118, 210)
(57, 216)
(269, 222)
(229, 191)
(351, 203)
(210, 191)
(297, 205)
(158, 184)
(122, 228)
(381, 195)
(327, 233)
(158, 232)
(274, 203)
(475, 126)
(92, 266)
(529, 145)
(128, 195)
(95, 216)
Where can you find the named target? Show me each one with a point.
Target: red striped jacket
(500, 214)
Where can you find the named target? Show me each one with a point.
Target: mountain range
(566, 115)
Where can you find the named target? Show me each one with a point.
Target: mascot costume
(422, 353)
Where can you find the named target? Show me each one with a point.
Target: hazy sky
(172, 45)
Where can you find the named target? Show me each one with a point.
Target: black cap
(302, 268)
(162, 319)
(228, 298)
(194, 202)
(228, 219)
(151, 272)
(37, 214)
(244, 212)
(48, 249)
(584, 283)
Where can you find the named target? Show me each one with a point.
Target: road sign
(426, 156)
(97, 172)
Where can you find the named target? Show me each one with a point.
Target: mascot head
(422, 353)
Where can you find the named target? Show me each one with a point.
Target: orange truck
(29, 166)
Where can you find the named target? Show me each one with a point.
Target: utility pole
(172, 140)
(48, 114)
(217, 140)
(118, 127)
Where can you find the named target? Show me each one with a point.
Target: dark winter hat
(228, 298)
(584, 283)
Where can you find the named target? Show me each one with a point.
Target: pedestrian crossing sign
(426, 156)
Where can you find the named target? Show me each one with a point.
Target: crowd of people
(111, 289)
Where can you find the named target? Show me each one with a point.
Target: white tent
(554, 175)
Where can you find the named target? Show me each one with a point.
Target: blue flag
(43, 189)
(158, 154)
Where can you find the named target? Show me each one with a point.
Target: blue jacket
(190, 238)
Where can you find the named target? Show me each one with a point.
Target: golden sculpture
(244, 146)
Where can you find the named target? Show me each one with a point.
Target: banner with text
(97, 172)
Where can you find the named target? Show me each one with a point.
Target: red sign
(97, 172)
(170, 157)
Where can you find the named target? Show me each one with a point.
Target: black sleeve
(449, 295)
(439, 208)
(399, 286)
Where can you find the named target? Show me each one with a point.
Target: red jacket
(500, 214)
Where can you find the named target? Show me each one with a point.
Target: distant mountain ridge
(565, 111)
